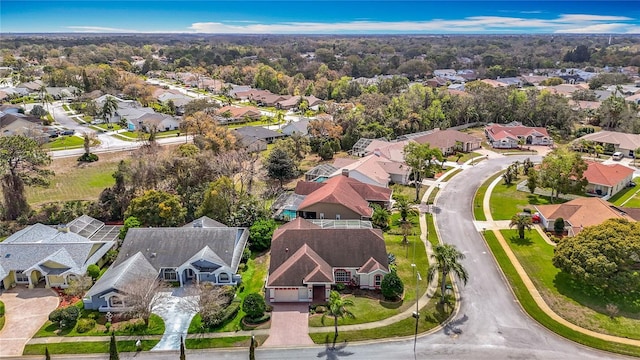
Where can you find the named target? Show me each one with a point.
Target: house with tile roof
(581, 213)
(614, 141)
(509, 136)
(607, 179)
(201, 251)
(305, 261)
(340, 198)
(237, 114)
(449, 141)
(41, 255)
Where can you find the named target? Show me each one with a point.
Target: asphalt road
(490, 324)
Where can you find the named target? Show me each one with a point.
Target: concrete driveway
(26, 311)
(176, 309)
(289, 325)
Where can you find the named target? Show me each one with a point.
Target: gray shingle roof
(258, 132)
(205, 222)
(116, 277)
(172, 247)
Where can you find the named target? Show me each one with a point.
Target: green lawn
(156, 327)
(431, 315)
(432, 236)
(74, 181)
(86, 347)
(565, 296)
(478, 211)
(65, 142)
(528, 304)
(206, 343)
(365, 309)
(108, 127)
(409, 191)
(254, 123)
(2, 317)
(66, 107)
(451, 174)
(432, 195)
(628, 196)
(506, 201)
(465, 157)
(253, 278)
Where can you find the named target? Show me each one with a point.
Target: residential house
(257, 132)
(300, 127)
(320, 172)
(340, 198)
(378, 169)
(292, 102)
(633, 98)
(31, 87)
(607, 180)
(201, 251)
(513, 134)
(581, 213)
(157, 121)
(449, 141)
(237, 114)
(614, 141)
(436, 82)
(62, 93)
(307, 258)
(41, 255)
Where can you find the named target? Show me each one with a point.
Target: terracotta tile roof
(348, 192)
(372, 167)
(497, 131)
(446, 138)
(583, 212)
(609, 175)
(238, 112)
(299, 255)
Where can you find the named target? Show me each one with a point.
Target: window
(342, 276)
(116, 301)
(377, 280)
(337, 216)
(170, 275)
(21, 277)
(321, 216)
(223, 277)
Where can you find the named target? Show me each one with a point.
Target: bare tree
(142, 295)
(78, 285)
(209, 301)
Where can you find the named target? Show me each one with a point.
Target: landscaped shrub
(254, 306)
(558, 226)
(85, 325)
(1, 308)
(65, 317)
(222, 316)
(340, 287)
(88, 157)
(320, 309)
(93, 270)
(391, 286)
(135, 326)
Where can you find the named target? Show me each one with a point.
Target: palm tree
(598, 149)
(404, 207)
(447, 261)
(337, 307)
(109, 108)
(522, 222)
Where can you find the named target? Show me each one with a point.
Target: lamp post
(417, 313)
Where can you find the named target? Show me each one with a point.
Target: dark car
(632, 184)
(68, 132)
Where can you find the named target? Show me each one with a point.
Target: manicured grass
(108, 127)
(156, 327)
(528, 304)
(565, 296)
(432, 195)
(86, 347)
(254, 123)
(365, 309)
(465, 157)
(451, 174)
(432, 236)
(430, 316)
(478, 211)
(409, 191)
(74, 181)
(65, 142)
(87, 118)
(66, 107)
(253, 278)
(507, 201)
(225, 342)
(627, 196)
(2, 313)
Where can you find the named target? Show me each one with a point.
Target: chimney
(345, 172)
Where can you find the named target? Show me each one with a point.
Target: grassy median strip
(451, 174)
(478, 211)
(90, 347)
(223, 342)
(529, 305)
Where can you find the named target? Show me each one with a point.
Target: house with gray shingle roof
(201, 251)
(43, 255)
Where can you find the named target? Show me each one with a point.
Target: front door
(189, 274)
(319, 294)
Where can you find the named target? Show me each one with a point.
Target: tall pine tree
(113, 348)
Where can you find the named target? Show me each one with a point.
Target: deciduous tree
(157, 208)
(563, 172)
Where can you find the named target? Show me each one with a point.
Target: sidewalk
(527, 280)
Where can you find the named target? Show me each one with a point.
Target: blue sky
(322, 17)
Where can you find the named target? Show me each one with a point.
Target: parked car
(68, 132)
(631, 184)
(617, 156)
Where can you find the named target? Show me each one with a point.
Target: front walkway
(26, 310)
(176, 309)
(289, 325)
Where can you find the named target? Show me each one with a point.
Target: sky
(321, 17)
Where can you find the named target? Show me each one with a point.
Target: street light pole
(415, 337)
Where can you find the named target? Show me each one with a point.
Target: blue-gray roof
(135, 267)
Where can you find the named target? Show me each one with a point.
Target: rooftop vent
(153, 254)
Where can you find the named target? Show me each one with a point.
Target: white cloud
(566, 23)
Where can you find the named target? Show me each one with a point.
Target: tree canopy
(563, 172)
(605, 257)
(157, 208)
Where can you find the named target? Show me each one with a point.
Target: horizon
(320, 17)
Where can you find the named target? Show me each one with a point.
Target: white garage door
(287, 295)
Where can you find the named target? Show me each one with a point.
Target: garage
(286, 295)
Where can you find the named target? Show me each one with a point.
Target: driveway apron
(289, 325)
(176, 310)
(26, 310)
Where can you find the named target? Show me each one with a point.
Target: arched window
(116, 301)
(223, 277)
(342, 276)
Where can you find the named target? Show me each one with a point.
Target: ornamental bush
(392, 286)
(254, 306)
